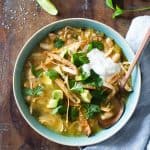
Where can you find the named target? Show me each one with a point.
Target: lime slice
(48, 6)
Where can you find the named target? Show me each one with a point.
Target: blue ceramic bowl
(69, 140)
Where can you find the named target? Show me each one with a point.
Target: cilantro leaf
(95, 44)
(71, 83)
(94, 80)
(118, 12)
(73, 113)
(60, 109)
(75, 86)
(91, 110)
(98, 96)
(52, 74)
(28, 92)
(58, 43)
(37, 91)
(36, 73)
(109, 4)
(90, 47)
(79, 59)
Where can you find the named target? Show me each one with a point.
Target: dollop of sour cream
(100, 64)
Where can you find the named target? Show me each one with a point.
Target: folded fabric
(135, 135)
(137, 30)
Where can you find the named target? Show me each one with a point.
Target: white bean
(116, 57)
(52, 36)
(109, 42)
(46, 46)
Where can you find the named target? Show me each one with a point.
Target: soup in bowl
(68, 82)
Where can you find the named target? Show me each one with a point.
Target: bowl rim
(50, 138)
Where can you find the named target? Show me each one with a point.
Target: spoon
(119, 109)
(135, 60)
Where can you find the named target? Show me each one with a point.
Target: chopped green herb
(98, 96)
(38, 90)
(52, 74)
(28, 92)
(91, 110)
(33, 92)
(94, 80)
(79, 59)
(58, 43)
(90, 46)
(95, 44)
(60, 109)
(73, 113)
(71, 83)
(36, 73)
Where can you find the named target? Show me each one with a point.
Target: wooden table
(19, 19)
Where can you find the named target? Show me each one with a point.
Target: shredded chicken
(67, 114)
(107, 115)
(68, 70)
(109, 52)
(109, 86)
(63, 61)
(90, 87)
(31, 78)
(84, 124)
(72, 48)
(114, 79)
(46, 46)
(68, 94)
(106, 108)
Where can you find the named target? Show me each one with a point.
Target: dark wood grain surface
(19, 19)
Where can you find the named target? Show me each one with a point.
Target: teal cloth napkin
(136, 133)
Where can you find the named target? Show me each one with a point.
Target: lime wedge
(48, 6)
